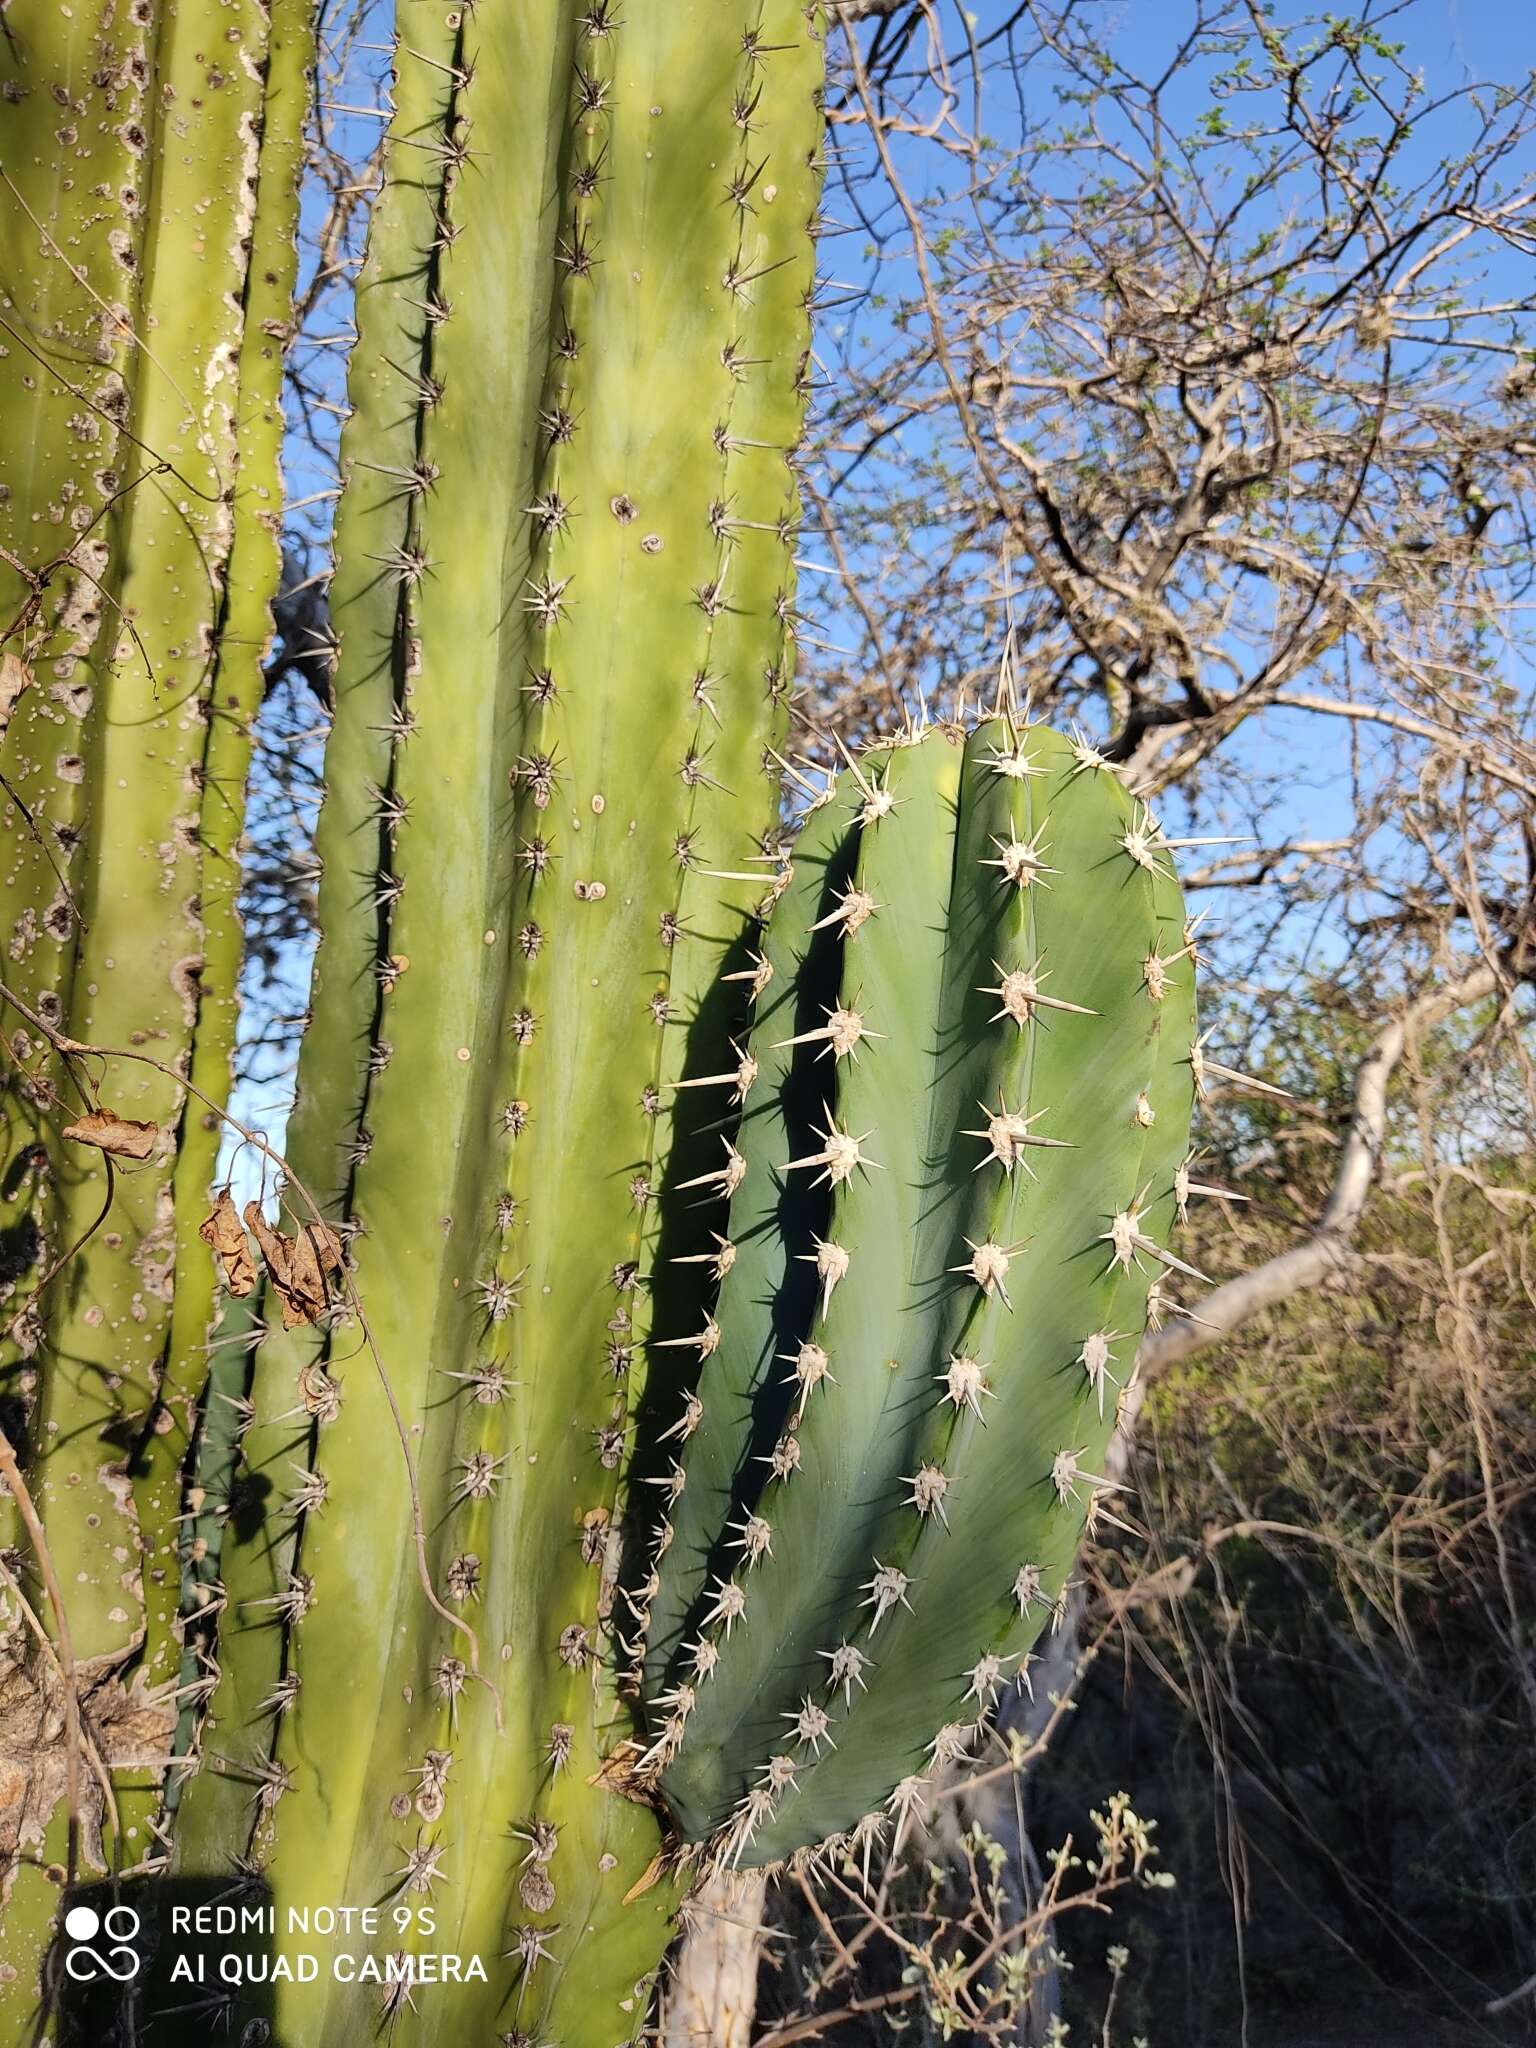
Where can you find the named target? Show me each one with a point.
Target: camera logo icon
(99, 1944)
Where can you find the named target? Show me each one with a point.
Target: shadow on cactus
(935, 1185)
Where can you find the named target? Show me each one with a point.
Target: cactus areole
(661, 1415)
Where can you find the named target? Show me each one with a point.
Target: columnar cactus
(147, 205)
(963, 1145)
(563, 601)
(708, 1265)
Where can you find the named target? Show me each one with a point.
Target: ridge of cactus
(575, 393)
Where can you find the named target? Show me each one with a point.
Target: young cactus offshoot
(971, 1104)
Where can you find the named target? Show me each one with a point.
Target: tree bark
(711, 1995)
(1325, 1252)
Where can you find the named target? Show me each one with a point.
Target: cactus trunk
(149, 201)
(563, 601)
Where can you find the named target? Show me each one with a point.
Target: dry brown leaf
(619, 1772)
(15, 677)
(316, 1254)
(274, 1245)
(123, 1136)
(221, 1231)
(129, 1727)
(298, 1266)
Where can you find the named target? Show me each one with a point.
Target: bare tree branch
(1325, 1253)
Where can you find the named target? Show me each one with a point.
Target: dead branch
(1324, 1254)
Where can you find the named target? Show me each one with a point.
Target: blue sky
(1452, 44)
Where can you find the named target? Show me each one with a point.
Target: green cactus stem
(962, 1151)
(148, 202)
(564, 604)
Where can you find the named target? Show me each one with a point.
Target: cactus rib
(585, 664)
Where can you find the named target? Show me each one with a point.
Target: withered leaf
(129, 1728)
(123, 1136)
(221, 1232)
(618, 1772)
(297, 1265)
(15, 677)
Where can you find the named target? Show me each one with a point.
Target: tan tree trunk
(711, 1996)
